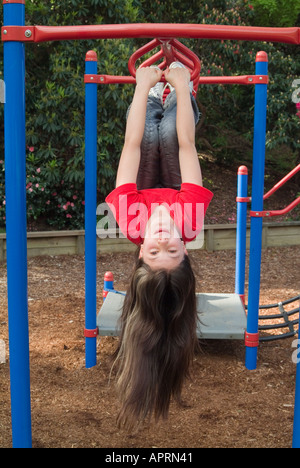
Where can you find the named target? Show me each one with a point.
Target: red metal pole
(223, 80)
(161, 30)
(282, 182)
(267, 214)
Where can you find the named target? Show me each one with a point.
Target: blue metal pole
(260, 117)
(90, 213)
(241, 231)
(16, 229)
(296, 432)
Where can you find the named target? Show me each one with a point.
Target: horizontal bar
(277, 337)
(282, 182)
(242, 80)
(276, 316)
(160, 30)
(7, 2)
(288, 301)
(287, 209)
(276, 326)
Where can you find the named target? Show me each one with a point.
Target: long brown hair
(157, 341)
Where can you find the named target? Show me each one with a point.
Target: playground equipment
(282, 318)
(14, 36)
(221, 316)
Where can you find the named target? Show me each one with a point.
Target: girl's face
(162, 247)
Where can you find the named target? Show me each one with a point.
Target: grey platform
(222, 316)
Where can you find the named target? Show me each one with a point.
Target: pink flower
(65, 207)
(69, 216)
(31, 149)
(48, 202)
(38, 170)
(74, 196)
(251, 7)
(37, 185)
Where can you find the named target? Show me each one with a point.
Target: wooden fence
(214, 237)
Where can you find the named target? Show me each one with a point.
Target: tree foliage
(55, 94)
(276, 13)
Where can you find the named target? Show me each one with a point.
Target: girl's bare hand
(148, 77)
(177, 76)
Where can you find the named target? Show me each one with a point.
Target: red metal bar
(139, 53)
(6, 2)
(242, 80)
(153, 59)
(282, 182)
(171, 50)
(50, 33)
(109, 79)
(161, 30)
(287, 209)
(187, 55)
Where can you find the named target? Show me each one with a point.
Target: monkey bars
(15, 34)
(144, 30)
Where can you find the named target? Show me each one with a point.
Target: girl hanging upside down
(159, 203)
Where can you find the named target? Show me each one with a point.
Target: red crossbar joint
(252, 340)
(17, 33)
(258, 79)
(260, 214)
(91, 333)
(243, 199)
(108, 79)
(287, 209)
(92, 79)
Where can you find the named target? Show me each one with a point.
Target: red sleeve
(125, 202)
(197, 193)
(194, 201)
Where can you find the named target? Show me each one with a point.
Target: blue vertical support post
(260, 118)
(91, 330)
(16, 228)
(241, 231)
